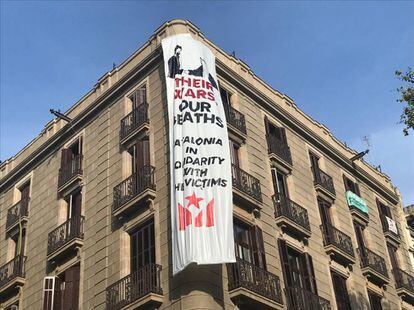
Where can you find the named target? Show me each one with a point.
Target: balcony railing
(335, 237)
(279, 148)
(403, 280)
(290, 209)
(13, 269)
(64, 233)
(133, 186)
(235, 118)
(301, 299)
(134, 120)
(323, 179)
(16, 212)
(246, 183)
(372, 260)
(72, 168)
(244, 274)
(134, 286)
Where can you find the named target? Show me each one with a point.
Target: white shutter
(49, 284)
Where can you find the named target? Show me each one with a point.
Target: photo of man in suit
(174, 67)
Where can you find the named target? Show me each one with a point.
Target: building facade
(85, 219)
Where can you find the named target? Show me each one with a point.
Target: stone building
(85, 221)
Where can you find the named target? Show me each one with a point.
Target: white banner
(392, 226)
(200, 167)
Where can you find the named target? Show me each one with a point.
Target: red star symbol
(193, 200)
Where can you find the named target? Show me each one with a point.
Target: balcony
(246, 187)
(12, 276)
(253, 287)
(390, 230)
(17, 213)
(137, 290)
(291, 216)
(298, 298)
(65, 239)
(136, 188)
(373, 267)
(338, 245)
(280, 152)
(70, 174)
(134, 123)
(236, 123)
(323, 183)
(404, 283)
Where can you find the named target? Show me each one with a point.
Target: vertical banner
(201, 182)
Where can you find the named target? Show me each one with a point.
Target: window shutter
(51, 287)
(357, 189)
(266, 122)
(287, 274)
(146, 152)
(259, 257)
(66, 157)
(311, 273)
(25, 197)
(345, 182)
(71, 292)
(139, 158)
(142, 95)
(282, 132)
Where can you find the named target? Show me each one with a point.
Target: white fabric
(200, 167)
(392, 226)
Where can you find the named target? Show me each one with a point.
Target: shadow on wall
(360, 302)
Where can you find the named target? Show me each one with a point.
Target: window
(341, 291)
(314, 165)
(297, 268)
(62, 291)
(392, 252)
(375, 301)
(325, 213)
(359, 232)
(140, 155)
(249, 244)
(225, 98)
(138, 97)
(19, 243)
(74, 204)
(143, 246)
(279, 183)
(275, 133)
(351, 186)
(234, 153)
(71, 154)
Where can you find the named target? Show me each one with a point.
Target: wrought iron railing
(133, 120)
(386, 226)
(12, 269)
(255, 279)
(16, 212)
(335, 237)
(235, 118)
(403, 279)
(290, 209)
(133, 186)
(323, 179)
(372, 260)
(134, 286)
(64, 233)
(72, 168)
(300, 299)
(279, 148)
(246, 183)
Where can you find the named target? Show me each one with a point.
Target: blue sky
(335, 59)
